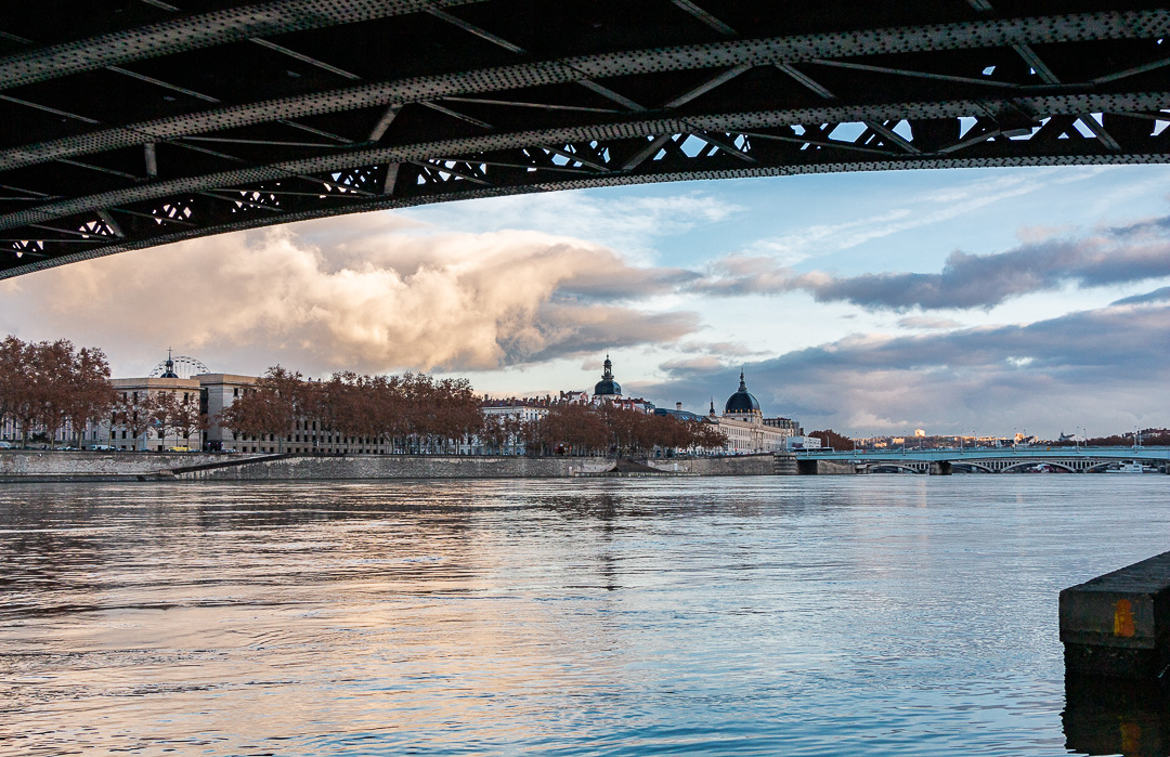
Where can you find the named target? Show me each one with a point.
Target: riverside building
(744, 425)
(204, 396)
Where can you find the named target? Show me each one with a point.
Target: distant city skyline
(994, 300)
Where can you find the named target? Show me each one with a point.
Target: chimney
(678, 406)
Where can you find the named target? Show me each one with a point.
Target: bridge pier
(825, 468)
(941, 468)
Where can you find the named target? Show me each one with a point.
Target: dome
(742, 401)
(607, 386)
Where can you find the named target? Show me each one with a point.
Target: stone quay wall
(48, 464)
(738, 465)
(356, 467)
(45, 465)
(434, 466)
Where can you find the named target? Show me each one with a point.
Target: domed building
(743, 424)
(607, 389)
(743, 405)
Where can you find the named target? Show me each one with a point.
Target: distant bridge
(126, 124)
(992, 459)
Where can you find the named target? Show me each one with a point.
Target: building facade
(742, 423)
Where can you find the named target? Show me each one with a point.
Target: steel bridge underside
(126, 124)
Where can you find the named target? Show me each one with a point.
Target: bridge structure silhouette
(1081, 459)
(126, 124)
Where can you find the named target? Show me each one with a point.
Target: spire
(607, 374)
(742, 385)
(170, 366)
(712, 407)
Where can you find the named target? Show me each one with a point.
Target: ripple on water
(870, 615)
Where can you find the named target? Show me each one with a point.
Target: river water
(870, 615)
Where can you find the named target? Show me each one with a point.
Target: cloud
(926, 322)
(1104, 369)
(1036, 234)
(560, 330)
(1135, 253)
(610, 280)
(321, 296)
(1158, 295)
(725, 349)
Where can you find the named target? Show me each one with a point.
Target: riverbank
(39, 466)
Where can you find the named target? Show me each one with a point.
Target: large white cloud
(325, 295)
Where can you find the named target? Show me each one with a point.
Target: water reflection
(737, 616)
(1112, 716)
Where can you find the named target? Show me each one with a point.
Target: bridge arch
(479, 99)
(897, 467)
(1010, 466)
(977, 465)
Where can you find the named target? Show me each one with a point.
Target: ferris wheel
(183, 366)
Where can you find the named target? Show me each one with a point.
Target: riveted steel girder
(203, 116)
(202, 30)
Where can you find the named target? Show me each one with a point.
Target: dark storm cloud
(614, 281)
(560, 330)
(1151, 225)
(1158, 295)
(1134, 253)
(1101, 368)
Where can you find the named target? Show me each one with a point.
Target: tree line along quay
(52, 391)
(418, 414)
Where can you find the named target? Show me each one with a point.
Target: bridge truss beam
(173, 120)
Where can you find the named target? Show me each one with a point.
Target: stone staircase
(784, 464)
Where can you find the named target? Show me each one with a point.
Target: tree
(270, 408)
(133, 411)
(573, 429)
(51, 364)
(708, 436)
(170, 412)
(830, 438)
(13, 380)
(89, 394)
(494, 432)
(185, 418)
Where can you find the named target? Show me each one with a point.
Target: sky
(960, 301)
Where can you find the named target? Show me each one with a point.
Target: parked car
(100, 447)
(7, 445)
(178, 449)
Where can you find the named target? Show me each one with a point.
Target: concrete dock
(1118, 625)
